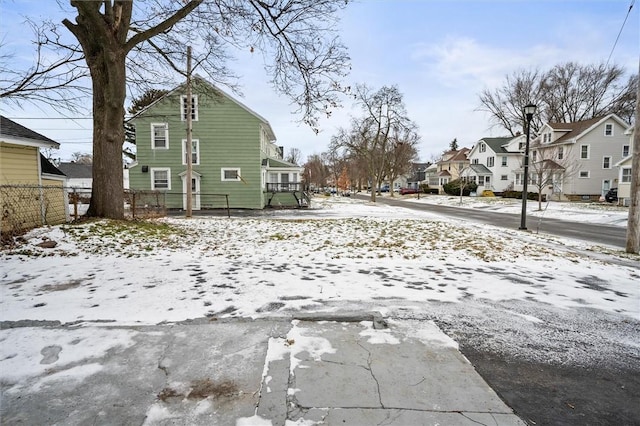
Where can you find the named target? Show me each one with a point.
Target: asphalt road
(594, 233)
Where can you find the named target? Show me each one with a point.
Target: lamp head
(529, 110)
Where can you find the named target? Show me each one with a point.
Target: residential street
(592, 232)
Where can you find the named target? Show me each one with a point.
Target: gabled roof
(48, 168)
(480, 169)
(580, 128)
(279, 164)
(497, 144)
(199, 80)
(76, 170)
(12, 132)
(455, 156)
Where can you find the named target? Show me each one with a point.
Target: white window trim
(153, 171)
(183, 116)
(623, 175)
(588, 152)
(608, 125)
(584, 177)
(625, 148)
(184, 151)
(166, 135)
(224, 169)
(604, 158)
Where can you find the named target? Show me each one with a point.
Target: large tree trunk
(109, 91)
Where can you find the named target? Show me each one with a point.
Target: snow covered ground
(343, 253)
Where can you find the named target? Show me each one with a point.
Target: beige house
(576, 161)
(31, 188)
(452, 164)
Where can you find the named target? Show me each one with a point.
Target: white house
(624, 172)
(494, 162)
(576, 161)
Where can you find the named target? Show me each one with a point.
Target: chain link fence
(25, 207)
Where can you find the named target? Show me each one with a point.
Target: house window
(483, 147)
(490, 161)
(481, 180)
(608, 129)
(160, 179)
(626, 175)
(504, 177)
(475, 161)
(544, 138)
(230, 174)
(518, 179)
(606, 162)
(625, 151)
(159, 136)
(560, 153)
(194, 107)
(504, 161)
(195, 151)
(584, 174)
(534, 156)
(584, 152)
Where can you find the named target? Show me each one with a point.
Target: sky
(440, 54)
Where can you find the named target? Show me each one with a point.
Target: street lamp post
(528, 110)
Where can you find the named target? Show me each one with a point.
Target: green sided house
(233, 155)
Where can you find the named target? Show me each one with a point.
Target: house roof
(47, 167)
(444, 173)
(16, 133)
(279, 164)
(454, 156)
(496, 144)
(480, 169)
(199, 80)
(76, 170)
(575, 130)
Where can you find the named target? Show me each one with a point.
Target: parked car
(384, 188)
(404, 191)
(611, 195)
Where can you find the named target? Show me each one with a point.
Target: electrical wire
(621, 28)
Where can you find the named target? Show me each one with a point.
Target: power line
(621, 28)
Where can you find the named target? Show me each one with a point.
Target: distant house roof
(574, 130)
(47, 167)
(77, 171)
(279, 164)
(12, 132)
(453, 156)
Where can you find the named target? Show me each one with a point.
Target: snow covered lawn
(341, 254)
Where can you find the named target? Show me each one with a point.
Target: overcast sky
(440, 53)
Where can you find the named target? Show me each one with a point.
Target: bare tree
(550, 168)
(293, 156)
(316, 172)
(122, 42)
(371, 137)
(402, 154)
(82, 158)
(567, 93)
(57, 77)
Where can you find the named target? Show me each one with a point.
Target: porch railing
(284, 187)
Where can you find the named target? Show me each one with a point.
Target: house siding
(599, 147)
(19, 164)
(229, 137)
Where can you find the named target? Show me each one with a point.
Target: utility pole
(633, 223)
(189, 147)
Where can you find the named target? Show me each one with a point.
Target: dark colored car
(612, 195)
(404, 191)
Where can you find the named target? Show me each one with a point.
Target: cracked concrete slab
(244, 372)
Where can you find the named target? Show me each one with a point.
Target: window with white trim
(491, 161)
(504, 177)
(606, 162)
(519, 179)
(194, 107)
(483, 147)
(230, 174)
(504, 161)
(534, 156)
(195, 151)
(475, 161)
(626, 175)
(161, 179)
(625, 151)
(608, 129)
(560, 153)
(584, 174)
(159, 136)
(584, 152)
